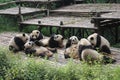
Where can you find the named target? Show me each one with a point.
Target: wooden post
(20, 17)
(80, 32)
(39, 27)
(48, 7)
(73, 31)
(20, 14)
(20, 27)
(97, 23)
(83, 33)
(62, 29)
(51, 30)
(116, 34)
(70, 32)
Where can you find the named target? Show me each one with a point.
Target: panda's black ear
(24, 34)
(79, 38)
(91, 38)
(68, 44)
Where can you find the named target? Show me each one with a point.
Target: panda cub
(71, 52)
(100, 42)
(55, 41)
(88, 54)
(17, 42)
(36, 35)
(31, 48)
(71, 40)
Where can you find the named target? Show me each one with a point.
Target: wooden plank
(7, 3)
(68, 22)
(105, 18)
(36, 1)
(108, 16)
(89, 8)
(114, 15)
(76, 11)
(24, 10)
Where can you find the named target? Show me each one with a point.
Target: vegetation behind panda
(17, 42)
(67, 2)
(31, 48)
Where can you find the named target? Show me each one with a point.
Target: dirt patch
(59, 58)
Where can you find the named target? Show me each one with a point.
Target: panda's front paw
(38, 43)
(66, 56)
(28, 51)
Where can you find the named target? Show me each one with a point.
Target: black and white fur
(17, 42)
(100, 42)
(89, 55)
(31, 48)
(71, 40)
(55, 41)
(36, 35)
(71, 52)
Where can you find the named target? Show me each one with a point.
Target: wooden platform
(88, 8)
(115, 15)
(24, 11)
(36, 1)
(67, 22)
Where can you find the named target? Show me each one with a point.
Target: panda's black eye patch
(23, 34)
(32, 35)
(37, 32)
(91, 38)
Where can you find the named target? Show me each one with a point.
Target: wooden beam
(7, 3)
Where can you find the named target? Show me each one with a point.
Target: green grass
(17, 67)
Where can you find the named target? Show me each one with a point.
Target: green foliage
(117, 45)
(4, 64)
(20, 67)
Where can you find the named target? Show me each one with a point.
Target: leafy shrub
(20, 67)
(4, 64)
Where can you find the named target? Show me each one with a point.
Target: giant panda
(55, 41)
(36, 35)
(31, 48)
(89, 55)
(17, 42)
(72, 52)
(71, 40)
(100, 42)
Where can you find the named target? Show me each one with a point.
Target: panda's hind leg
(105, 49)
